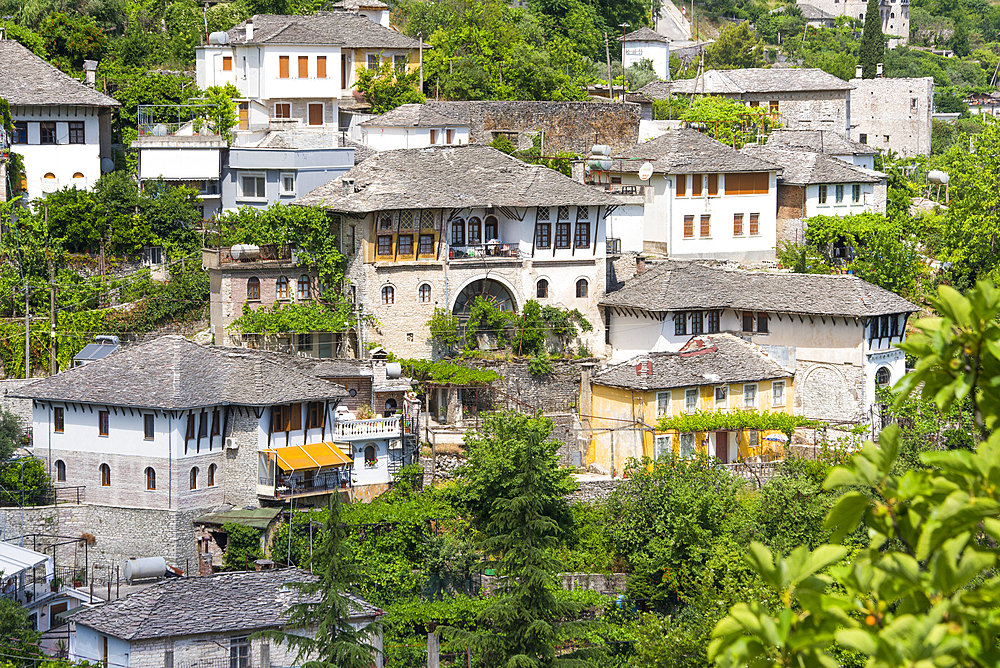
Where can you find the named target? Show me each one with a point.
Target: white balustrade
(366, 428)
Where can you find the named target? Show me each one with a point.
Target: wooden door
(244, 115)
(722, 446)
(316, 113)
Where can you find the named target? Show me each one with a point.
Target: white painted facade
(844, 199)
(67, 161)
(657, 52)
(392, 138)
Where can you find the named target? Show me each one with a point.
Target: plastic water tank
(244, 252)
(146, 567)
(600, 149)
(937, 176)
(220, 37)
(393, 370)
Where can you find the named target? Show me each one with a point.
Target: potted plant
(79, 578)
(56, 583)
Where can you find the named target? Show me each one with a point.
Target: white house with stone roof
(647, 44)
(837, 333)
(413, 126)
(829, 142)
(62, 127)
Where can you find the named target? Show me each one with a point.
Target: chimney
(249, 31)
(859, 72)
(90, 67)
(263, 565)
(878, 70)
(347, 185)
(640, 265)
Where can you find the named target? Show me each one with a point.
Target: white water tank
(937, 176)
(220, 37)
(244, 252)
(146, 567)
(393, 370)
(600, 149)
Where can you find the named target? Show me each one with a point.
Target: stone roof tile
(334, 28)
(26, 79)
(687, 151)
(752, 80)
(412, 115)
(807, 167)
(644, 34)
(822, 141)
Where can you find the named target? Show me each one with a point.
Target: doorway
(315, 113)
(722, 446)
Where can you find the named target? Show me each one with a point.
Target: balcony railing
(485, 251)
(614, 246)
(358, 429)
(302, 484)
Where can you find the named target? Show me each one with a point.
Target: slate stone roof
(709, 359)
(753, 80)
(687, 151)
(26, 79)
(644, 34)
(683, 286)
(807, 167)
(821, 141)
(355, 5)
(459, 176)
(412, 115)
(340, 28)
(813, 13)
(173, 373)
(218, 604)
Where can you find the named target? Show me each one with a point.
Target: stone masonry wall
(595, 490)
(19, 407)
(831, 392)
(557, 392)
(240, 469)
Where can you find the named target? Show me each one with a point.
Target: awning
(312, 456)
(15, 560)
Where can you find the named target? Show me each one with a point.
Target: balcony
(489, 251)
(277, 254)
(302, 483)
(353, 430)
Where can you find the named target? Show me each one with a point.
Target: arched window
(150, 478)
(542, 289)
(211, 475)
(60, 471)
(78, 175)
(51, 176)
(390, 404)
(475, 231)
(425, 293)
(303, 292)
(883, 376)
(458, 233)
(581, 288)
(281, 287)
(492, 231)
(253, 289)
(388, 295)
(487, 288)
(105, 475)
(194, 478)
(371, 456)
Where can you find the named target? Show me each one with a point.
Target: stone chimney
(640, 265)
(90, 68)
(878, 70)
(859, 72)
(347, 185)
(249, 31)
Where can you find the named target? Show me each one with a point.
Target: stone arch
(826, 394)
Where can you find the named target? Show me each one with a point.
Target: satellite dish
(107, 165)
(646, 171)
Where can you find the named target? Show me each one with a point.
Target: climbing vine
(444, 373)
(734, 421)
(301, 317)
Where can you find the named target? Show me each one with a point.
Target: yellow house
(717, 372)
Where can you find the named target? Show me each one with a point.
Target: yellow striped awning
(312, 456)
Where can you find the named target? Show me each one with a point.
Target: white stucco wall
(867, 202)
(392, 138)
(62, 159)
(179, 163)
(657, 52)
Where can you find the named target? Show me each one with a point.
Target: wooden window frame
(688, 393)
(77, 132)
(714, 318)
(748, 322)
(383, 245)
(585, 291)
(776, 384)
(680, 324)
(713, 185)
(755, 224)
(458, 232)
(253, 289)
(404, 244)
(689, 227)
(426, 244)
(705, 226)
(193, 478)
(582, 237)
(303, 288)
(303, 60)
(148, 426)
(60, 471)
(227, 63)
(543, 235)
(315, 415)
(855, 193)
(562, 239)
(666, 406)
(212, 468)
(281, 289)
(58, 419)
(424, 293)
(321, 67)
(697, 322)
(388, 294)
(737, 224)
(282, 106)
(284, 67)
(46, 130)
(150, 474)
(822, 195)
(475, 235)
(542, 289)
(682, 185)
(105, 475)
(103, 423)
(697, 185)
(762, 327)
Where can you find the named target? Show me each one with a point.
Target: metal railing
(366, 428)
(484, 251)
(41, 497)
(268, 253)
(614, 246)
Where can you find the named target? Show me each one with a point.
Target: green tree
(11, 435)
(444, 328)
(242, 547)
(327, 607)
(221, 109)
(737, 47)
(872, 41)
(69, 40)
(729, 121)
(387, 87)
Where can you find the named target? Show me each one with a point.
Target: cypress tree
(872, 41)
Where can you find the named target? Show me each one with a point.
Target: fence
(41, 497)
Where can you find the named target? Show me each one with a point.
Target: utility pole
(52, 319)
(623, 26)
(607, 54)
(420, 38)
(27, 333)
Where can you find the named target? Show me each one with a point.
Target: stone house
(829, 142)
(836, 333)
(895, 15)
(709, 373)
(62, 127)
(647, 44)
(893, 114)
(703, 199)
(192, 622)
(438, 227)
(413, 126)
(799, 98)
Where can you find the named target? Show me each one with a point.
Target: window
(60, 471)
(426, 244)
(663, 404)
(148, 426)
(58, 419)
(475, 231)
(696, 183)
(449, 136)
(713, 185)
(281, 288)
(252, 187)
(316, 111)
(303, 288)
(681, 185)
(304, 341)
(427, 219)
(282, 67)
(194, 478)
(886, 138)
(406, 220)
(542, 289)
(253, 289)
(78, 175)
(687, 446)
(372, 61)
(748, 183)
(562, 235)
(664, 446)
(581, 288)
(320, 67)
(883, 376)
(404, 244)
(778, 393)
(77, 132)
(20, 132)
(286, 418)
(150, 478)
(47, 132)
(202, 425)
(283, 110)
(371, 456)
(215, 425)
(689, 227)
(239, 652)
(582, 235)
(227, 63)
(542, 213)
(425, 293)
(737, 224)
(691, 400)
(680, 324)
(747, 321)
(893, 325)
(822, 194)
(856, 193)
(697, 323)
(755, 224)
(458, 233)
(753, 438)
(399, 63)
(863, 138)
(388, 296)
(563, 213)
(303, 67)
(839, 193)
(434, 137)
(721, 397)
(102, 423)
(773, 106)
(706, 225)
(762, 323)
(543, 235)
(749, 396)
(189, 431)
(211, 475)
(315, 414)
(713, 322)
(384, 245)
(287, 184)
(105, 475)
